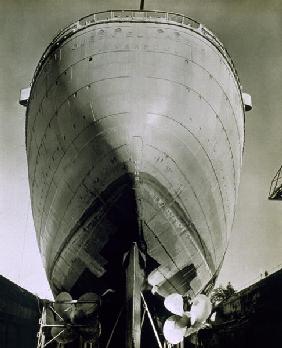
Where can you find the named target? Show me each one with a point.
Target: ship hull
(135, 132)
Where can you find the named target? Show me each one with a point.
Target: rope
(151, 321)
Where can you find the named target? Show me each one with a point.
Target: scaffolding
(45, 326)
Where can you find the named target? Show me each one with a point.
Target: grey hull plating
(135, 130)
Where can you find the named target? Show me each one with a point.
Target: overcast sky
(250, 29)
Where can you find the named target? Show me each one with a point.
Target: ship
(134, 141)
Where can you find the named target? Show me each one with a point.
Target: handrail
(134, 16)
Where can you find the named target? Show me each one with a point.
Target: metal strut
(113, 330)
(151, 321)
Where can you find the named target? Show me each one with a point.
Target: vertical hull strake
(135, 132)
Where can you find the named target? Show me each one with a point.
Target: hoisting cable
(151, 321)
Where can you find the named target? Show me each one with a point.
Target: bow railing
(135, 16)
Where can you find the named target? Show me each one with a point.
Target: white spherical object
(174, 303)
(174, 329)
(201, 309)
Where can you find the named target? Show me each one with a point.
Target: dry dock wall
(19, 315)
(250, 318)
